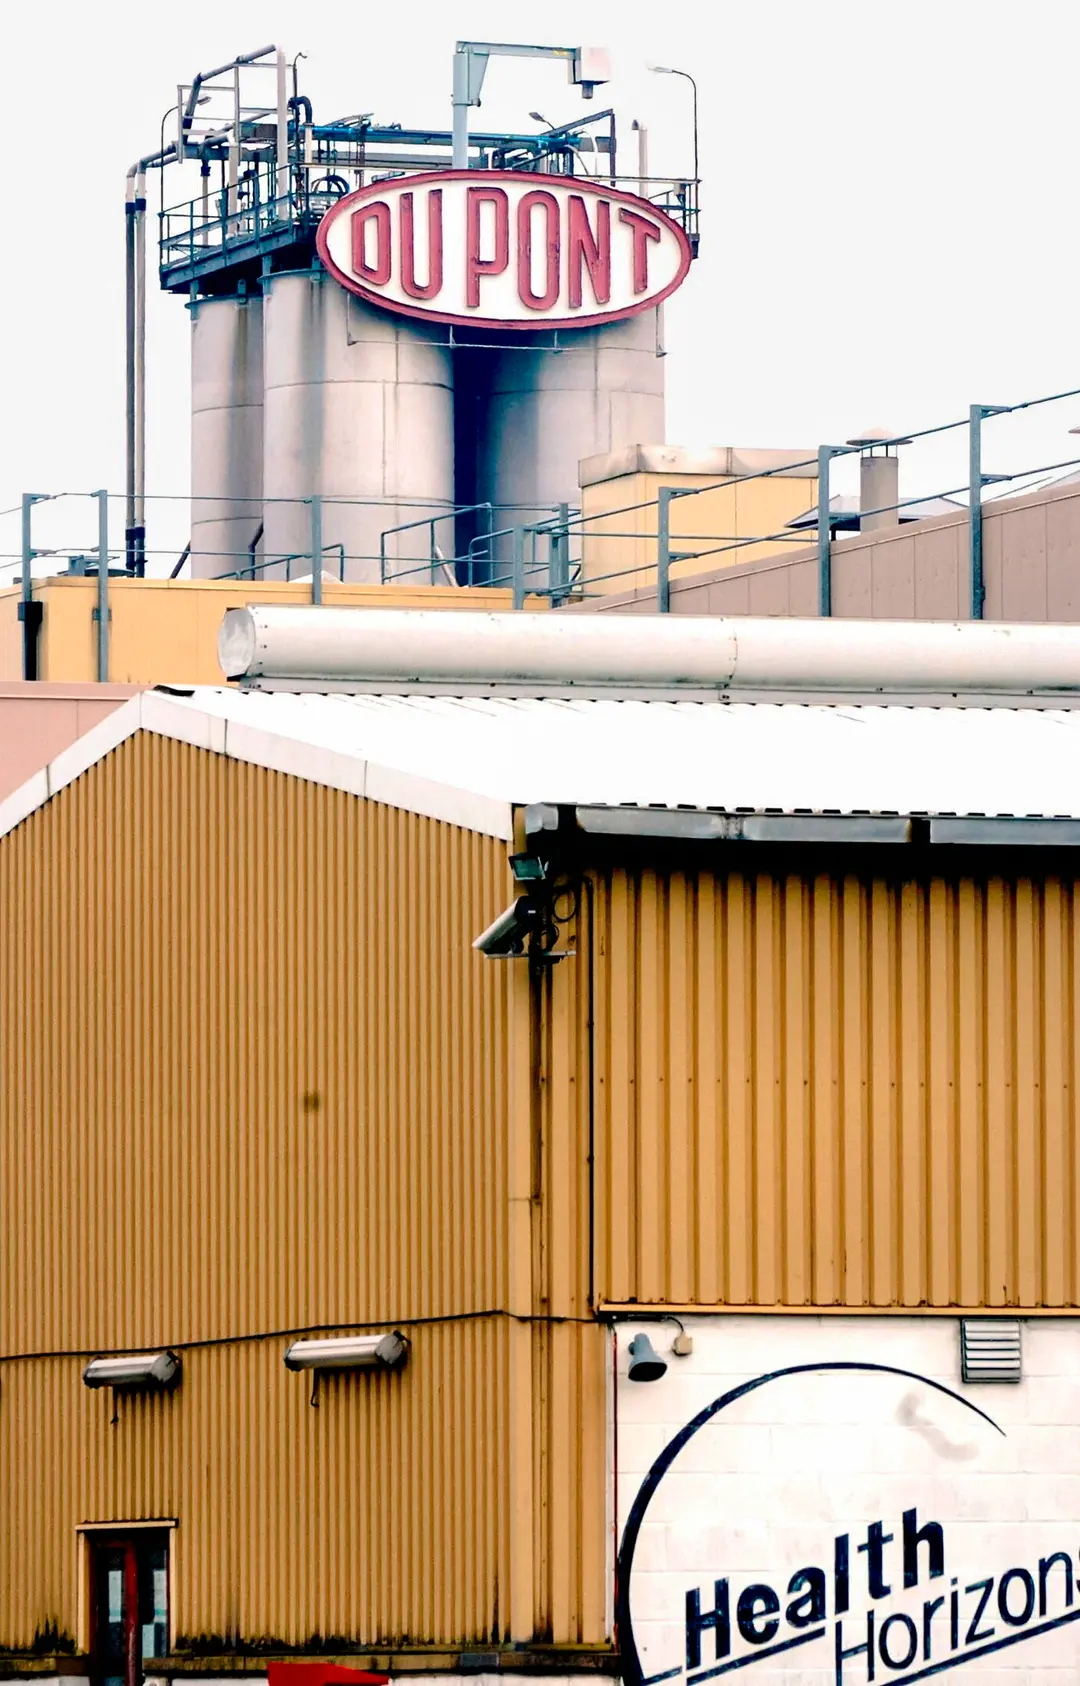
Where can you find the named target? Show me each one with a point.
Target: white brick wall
(765, 1488)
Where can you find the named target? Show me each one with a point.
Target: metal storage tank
(547, 409)
(226, 433)
(358, 405)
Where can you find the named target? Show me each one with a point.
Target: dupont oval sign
(504, 249)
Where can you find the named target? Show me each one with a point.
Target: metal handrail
(430, 522)
(556, 577)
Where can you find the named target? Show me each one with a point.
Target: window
(129, 1605)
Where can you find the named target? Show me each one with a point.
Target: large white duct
(402, 646)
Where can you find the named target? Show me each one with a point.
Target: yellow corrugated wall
(254, 1080)
(837, 1089)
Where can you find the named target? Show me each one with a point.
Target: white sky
(888, 227)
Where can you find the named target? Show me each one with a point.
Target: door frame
(92, 1535)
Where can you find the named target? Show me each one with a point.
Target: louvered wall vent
(990, 1349)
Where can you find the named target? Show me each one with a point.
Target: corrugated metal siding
(222, 979)
(295, 1524)
(255, 1079)
(837, 1090)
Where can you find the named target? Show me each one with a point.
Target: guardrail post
(977, 414)
(824, 531)
(316, 550)
(30, 613)
(103, 588)
(517, 580)
(975, 535)
(663, 549)
(559, 556)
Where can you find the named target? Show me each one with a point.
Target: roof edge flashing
(707, 826)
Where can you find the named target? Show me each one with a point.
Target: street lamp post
(671, 70)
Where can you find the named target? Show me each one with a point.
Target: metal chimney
(879, 479)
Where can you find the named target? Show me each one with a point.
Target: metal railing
(548, 552)
(192, 232)
(234, 216)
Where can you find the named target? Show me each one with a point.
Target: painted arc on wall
(504, 249)
(849, 1522)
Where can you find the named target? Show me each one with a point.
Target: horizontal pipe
(402, 646)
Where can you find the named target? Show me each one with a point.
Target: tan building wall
(256, 1081)
(164, 632)
(834, 1086)
(1031, 562)
(619, 517)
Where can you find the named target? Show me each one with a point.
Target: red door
(130, 1610)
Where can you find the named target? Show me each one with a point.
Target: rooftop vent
(990, 1349)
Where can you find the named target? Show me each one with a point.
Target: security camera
(506, 936)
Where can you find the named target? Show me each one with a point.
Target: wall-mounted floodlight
(528, 869)
(140, 1369)
(354, 1352)
(646, 1364)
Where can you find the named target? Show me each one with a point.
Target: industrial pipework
(310, 389)
(357, 649)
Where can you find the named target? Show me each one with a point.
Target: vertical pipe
(316, 550)
(663, 549)
(103, 588)
(824, 532)
(129, 370)
(461, 111)
(642, 157)
(140, 373)
(281, 185)
(975, 530)
(234, 147)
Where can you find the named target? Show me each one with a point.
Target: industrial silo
(358, 406)
(545, 408)
(226, 434)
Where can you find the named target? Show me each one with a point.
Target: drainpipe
(135, 372)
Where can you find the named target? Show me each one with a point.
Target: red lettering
(475, 265)
(586, 250)
(527, 204)
(409, 283)
(378, 273)
(643, 231)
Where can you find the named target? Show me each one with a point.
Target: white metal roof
(470, 760)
